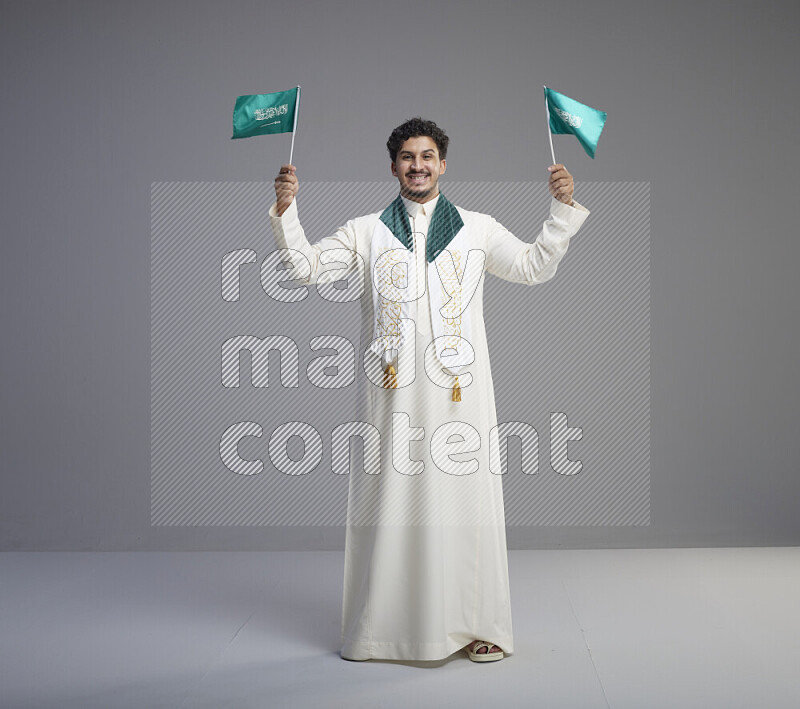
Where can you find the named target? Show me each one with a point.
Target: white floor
(622, 628)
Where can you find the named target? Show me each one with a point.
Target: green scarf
(445, 224)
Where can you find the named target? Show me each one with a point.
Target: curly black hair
(413, 128)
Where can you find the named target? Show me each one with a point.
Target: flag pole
(294, 127)
(549, 132)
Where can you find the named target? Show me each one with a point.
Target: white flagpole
(549, 133)
(294, 127)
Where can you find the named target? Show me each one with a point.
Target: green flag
(262, 114)
(569, 116)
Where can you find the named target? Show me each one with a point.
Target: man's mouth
(417, 178)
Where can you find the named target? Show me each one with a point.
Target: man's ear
(394, 169)
(444, 167)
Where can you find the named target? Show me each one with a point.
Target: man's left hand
(561, 183)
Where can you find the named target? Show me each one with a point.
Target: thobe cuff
(564, 220)
(290, 213)
(288, 232)
(565, 211)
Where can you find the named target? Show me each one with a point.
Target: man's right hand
(286, 187)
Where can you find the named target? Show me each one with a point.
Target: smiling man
(426, 569)
(417, 166)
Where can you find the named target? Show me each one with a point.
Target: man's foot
(483, 649)
(493, 652)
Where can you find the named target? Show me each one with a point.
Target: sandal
(487, 656)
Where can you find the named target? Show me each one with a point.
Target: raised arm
(289, 234)
(518, 261)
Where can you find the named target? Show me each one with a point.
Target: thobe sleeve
(517, 261)
(289, 234)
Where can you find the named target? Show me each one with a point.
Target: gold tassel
(456, 391)
(390, 377)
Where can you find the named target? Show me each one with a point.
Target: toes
(483, 649)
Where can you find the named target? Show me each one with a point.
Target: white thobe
(420, 216)
(426, 565)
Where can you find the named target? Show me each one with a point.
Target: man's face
(418, 168)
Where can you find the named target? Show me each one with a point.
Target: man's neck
(423, 199)
(424, 203)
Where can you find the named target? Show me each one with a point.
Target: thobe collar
(445, 223)
(414, 208)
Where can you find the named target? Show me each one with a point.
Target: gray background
(102, 99)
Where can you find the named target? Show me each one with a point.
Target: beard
(410, 190)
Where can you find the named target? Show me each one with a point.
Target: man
(426, 569)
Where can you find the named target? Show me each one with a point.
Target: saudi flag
(262, 114)
(569, 116)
